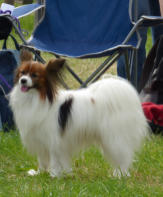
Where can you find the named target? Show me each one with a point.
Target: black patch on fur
(49, 91)
(64, 112)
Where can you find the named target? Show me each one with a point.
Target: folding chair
(86, 29)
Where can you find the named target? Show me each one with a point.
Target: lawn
(92, 175)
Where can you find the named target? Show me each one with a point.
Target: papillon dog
(55, 124)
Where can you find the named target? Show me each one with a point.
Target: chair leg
(107, 67)
(100, 70)
(73, 74)
(96, 74)
(136, 68)
(127, 65)
(133, 67)
(64, 84)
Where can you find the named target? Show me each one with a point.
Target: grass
(92, 175)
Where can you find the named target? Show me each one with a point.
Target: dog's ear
(54, 67)
(16, 75)
(25, 55)
(53, 73)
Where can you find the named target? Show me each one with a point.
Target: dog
(55, 124)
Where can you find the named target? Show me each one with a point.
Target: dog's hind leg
(120, 157)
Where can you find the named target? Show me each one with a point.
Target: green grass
(92, 175)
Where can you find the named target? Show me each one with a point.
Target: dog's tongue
(24, 88)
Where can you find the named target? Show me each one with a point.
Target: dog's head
(33, 75)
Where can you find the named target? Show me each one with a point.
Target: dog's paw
(119, 173)
(33, 172)
(54, 173)
(68, 170)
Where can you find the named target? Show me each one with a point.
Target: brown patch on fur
(25, 55)
(53, 71)
(93, 100)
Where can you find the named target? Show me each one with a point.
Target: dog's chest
(30, 112)
(33, 139)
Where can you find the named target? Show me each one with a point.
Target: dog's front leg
(43, 162)
(33, 172)
(65, 161)
(55, 168)
(42, 167)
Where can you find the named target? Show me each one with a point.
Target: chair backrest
(84, 23)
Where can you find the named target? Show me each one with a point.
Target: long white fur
(107, 113)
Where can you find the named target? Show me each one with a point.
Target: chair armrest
(148, 21)
(25, 10)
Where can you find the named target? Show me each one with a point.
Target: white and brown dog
(54, 124)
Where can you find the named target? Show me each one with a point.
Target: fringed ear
(54, 68)
(25, 55)
(53, 72)
(16, 75)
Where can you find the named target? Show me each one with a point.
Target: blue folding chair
(86, 29)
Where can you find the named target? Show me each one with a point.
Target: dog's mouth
(25, 88)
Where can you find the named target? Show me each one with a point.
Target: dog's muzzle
(25, 83)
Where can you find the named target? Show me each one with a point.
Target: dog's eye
(22, 72)
(34, 75)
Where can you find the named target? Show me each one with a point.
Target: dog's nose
(23, 81)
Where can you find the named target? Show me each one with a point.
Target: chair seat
(80, 49)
